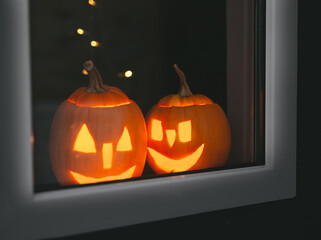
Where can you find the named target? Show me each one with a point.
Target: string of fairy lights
(95, 44)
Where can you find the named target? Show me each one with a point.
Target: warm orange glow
(128, 74)
(107, 155)
(171, 135)
(157, 130)
(80, 31)
(84, 72)
(81, 179)
(176, 100)
(184, 105)
(94, 44)
(101, 106)
(176, 165)
(124, 143)
(185, 131)
(84, 141)
(92, 2)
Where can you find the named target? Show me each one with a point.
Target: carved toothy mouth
(176, 165)
(81, 179)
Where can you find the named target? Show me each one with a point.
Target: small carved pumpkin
(187, 132)
(98, 134)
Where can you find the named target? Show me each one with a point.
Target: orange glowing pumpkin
(98, 134)
(187, 132)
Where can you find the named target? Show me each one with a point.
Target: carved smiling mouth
(176, 165)
(81, 179)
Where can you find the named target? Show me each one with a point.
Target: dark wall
(295, 218)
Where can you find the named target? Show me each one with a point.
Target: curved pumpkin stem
(184, 90)
(95, 81)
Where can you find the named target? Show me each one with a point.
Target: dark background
(296, 218)
(144, 36)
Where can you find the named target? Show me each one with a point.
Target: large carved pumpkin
(187, 132)
(98, 134)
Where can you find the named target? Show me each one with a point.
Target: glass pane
(99, 135)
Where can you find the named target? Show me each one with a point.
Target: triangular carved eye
(84, 142)
(124, 143)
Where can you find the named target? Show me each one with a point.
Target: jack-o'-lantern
(98, 134)
(187, 132)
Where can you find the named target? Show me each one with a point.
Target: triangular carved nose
(171, 136)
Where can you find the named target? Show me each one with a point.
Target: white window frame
(28, 215)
